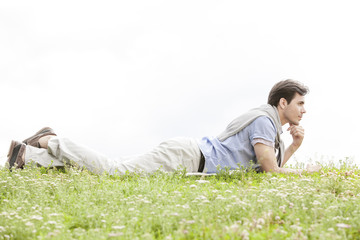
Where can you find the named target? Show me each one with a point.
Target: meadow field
(39, 203)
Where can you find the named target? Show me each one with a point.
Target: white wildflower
(306, 180)
(55, 214)
(244, 235)
(219, 197)
(295, 227)
(186, 206)
(343, 225)
(36, 217)
(202, 181)
(111, 235)
(193, 186)
(261, 221)
(118, 227)
(235, 227)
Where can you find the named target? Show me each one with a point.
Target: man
(251, 140)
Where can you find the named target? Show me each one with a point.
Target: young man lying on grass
(250, 141)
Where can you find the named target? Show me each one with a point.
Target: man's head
(286, 89)
(288, 97)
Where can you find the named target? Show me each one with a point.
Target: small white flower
(202, 181)
(54, 214)
(244, 235)
(261, 221)
(36, 217)
(118, 227)
(235, 227)
(219, 197)
(111, 235)
(343, 225)
(193, 186)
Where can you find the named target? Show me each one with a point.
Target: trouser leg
(66, 150)
(168, 156)
(63, 151)
(41, 157)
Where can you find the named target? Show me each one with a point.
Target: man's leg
(41, 157)
(76, 154)
(168, 156)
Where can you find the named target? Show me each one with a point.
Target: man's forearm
(288, 153)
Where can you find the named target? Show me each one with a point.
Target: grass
(38, 203)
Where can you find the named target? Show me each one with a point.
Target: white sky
(121, 76)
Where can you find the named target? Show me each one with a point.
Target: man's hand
(297, 133)
(310, 168)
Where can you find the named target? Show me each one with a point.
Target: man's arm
(297, 132)
(267, 160)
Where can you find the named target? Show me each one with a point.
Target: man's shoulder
(263, 120)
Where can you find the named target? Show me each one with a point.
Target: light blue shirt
(238, 150)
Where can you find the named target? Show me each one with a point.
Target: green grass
(38, 203)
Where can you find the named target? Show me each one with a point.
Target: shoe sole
(41, 131)
(11, 149)
(15, 154)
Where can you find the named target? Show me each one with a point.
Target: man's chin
(297, 123)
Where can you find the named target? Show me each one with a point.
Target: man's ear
(282, 103)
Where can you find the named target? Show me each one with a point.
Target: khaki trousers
(168, 156)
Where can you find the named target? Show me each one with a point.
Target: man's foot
(16, 154)
(34, 140)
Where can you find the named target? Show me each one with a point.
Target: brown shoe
(15, 155)
(34, 140)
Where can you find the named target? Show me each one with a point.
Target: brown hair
(286, 89)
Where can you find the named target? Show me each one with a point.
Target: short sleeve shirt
(238, 150)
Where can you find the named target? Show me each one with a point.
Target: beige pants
(168, 156)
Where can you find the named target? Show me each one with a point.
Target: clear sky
(121, 76)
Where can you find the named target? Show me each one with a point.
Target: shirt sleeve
(262, 130)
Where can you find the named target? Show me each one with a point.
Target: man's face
(294, 110)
